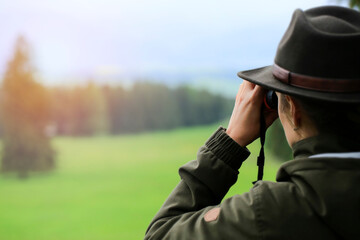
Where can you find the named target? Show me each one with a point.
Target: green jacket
(314, 196)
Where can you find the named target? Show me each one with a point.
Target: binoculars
(271, 100)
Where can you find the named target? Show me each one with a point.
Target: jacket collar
(304, 149)
(324, 144)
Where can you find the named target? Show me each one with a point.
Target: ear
(295, 111)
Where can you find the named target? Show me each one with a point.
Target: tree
(25, 117)
(116, 102)
(88, 110)
(354, 4)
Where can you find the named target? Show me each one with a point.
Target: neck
(300, 133)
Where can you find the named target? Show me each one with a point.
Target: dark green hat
(318, 57)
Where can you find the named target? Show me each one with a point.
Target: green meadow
(106, 187)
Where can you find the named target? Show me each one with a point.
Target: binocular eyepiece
(271, 100)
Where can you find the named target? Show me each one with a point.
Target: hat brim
(264, 77)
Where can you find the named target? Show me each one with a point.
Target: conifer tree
(25, 117)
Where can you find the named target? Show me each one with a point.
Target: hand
(244, 125)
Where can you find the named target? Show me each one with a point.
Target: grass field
(106, 187)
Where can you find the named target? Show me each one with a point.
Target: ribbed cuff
(226, 149)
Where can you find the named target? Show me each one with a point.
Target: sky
(120, 40)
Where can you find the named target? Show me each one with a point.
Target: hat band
(316, 83)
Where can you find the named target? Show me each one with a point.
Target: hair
(340, 119)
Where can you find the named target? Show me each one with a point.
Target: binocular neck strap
(261, 157)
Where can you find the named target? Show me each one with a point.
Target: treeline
(30, 113)
(93, 109)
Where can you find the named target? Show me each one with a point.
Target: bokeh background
(102, 101)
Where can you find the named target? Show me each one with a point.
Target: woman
(316, 76)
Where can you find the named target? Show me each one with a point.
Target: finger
(259, 91)
(258, 94)
(240, 91)
(248, 85)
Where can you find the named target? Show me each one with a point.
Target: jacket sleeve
(194, 209)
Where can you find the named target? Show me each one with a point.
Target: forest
(32, 113)
(92, 109)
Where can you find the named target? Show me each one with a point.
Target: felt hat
(318, 57)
